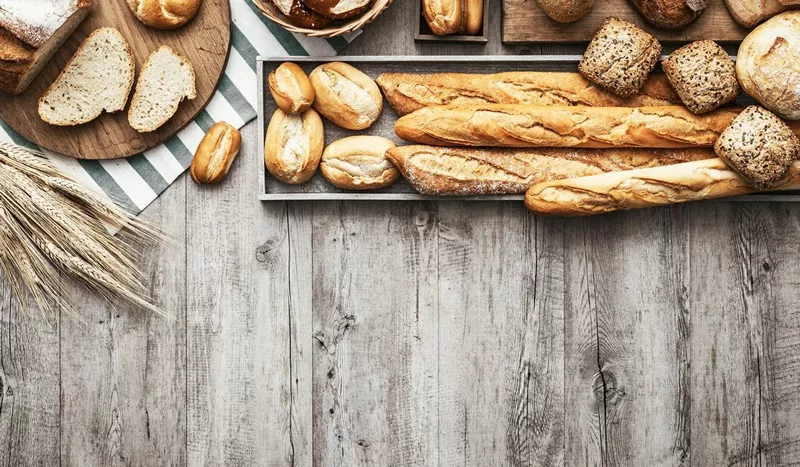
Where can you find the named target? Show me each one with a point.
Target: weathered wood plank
(239, 403)
(375, 327)
(29, 388)
(123, 380)
(501, 342)
(627, 334)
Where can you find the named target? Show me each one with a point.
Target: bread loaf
(617, 191)
(359, 163)
(438, 171)
(164, 14)
(346, 96)
(589, 127)
(31, 33)
(443, 16)
(407, 92)
(215, 153)
(566, 11)
(670, 14)
(293, 146)
(291, 88)
(300, 15)
(749, 13)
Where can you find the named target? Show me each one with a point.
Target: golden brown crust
(617, 191)
(293, 146)
(589, 127)
(164, 14)
(473, 16)
(407, 92)
(566, 11)
(670, 14)
(439, 171)
(346, 96)
(443, 16)
(359, 163)
(290, 87)
(215, 153)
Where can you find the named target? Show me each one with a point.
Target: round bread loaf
(759, 146)
(359, 163)
(566, 11)
(164, 14)
(767, 64)
(670, 14)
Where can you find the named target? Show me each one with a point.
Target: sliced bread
(98, 78)
(166, 79)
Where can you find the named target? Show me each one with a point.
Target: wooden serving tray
(525, 22)
(205, 41)
(319, 189)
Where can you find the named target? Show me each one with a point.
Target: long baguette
(438, 171)
(690, 181)
(407, 92)
(588, 127)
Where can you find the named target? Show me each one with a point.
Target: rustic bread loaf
(31, 33)
(291, 88)
(620, 57)
(337, 9)
(759, 146)
(98, 78)
(165, 81)
(215, 153)
(164, 14)
(767, 65)
(566, 11)
(346, 96)
(643, 188)
(749, 13)
(359, 163)
(591, 127)
(407, 92)
(670, 14)
(439, 171)
(300, 15)
(293, 146)
(703, 75)
(443, 16)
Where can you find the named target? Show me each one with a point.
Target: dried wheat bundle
(51, 226)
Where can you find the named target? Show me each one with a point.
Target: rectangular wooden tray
(525, 22)
(319, 189)
(423, 33)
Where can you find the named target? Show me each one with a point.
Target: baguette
(407, 92)
(691, 181)
(440, 171)
(588, 127)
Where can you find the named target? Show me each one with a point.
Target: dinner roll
(346, 96)
(164, 14)
(293, 146)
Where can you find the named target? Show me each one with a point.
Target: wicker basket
(351, 24)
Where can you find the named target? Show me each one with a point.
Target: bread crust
(591, 127)
(290, 87)
(407, 92)
(703, 75)
(346, 96)
(566, 11)
(35, 22)
(443, 16)
(644, 188)
(359, 163)
(670, 14)
(164, 14)
(311, 139)
(440, 171)
(333, 9)
(215, 153)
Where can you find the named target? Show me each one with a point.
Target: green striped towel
(138, 180)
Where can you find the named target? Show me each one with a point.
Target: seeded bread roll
(359, 163)
(293, 146)
(291, 88)
(703, 75)
(346, 96)
(759, 146)
(620, 57)
(566, 11)
(407, 92)
(438, 171)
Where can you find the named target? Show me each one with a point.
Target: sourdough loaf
(31, 33)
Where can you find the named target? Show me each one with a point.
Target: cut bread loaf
(166, 79)
(98, 78)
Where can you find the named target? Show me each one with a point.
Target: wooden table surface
(419, 333)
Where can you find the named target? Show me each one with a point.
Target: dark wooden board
(205, 41)
(525, 22)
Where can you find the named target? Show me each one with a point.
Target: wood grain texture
(205, 41)
(524, 21)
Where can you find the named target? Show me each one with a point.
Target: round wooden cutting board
(205, 41)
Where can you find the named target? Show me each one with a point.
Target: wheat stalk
(51, 226)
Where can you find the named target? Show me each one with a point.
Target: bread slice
(98, 78)
(166, 79)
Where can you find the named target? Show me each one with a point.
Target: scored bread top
(98, 78)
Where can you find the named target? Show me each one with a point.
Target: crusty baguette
(690, 181)
(589, 127)
(438, 171)
(407, 92)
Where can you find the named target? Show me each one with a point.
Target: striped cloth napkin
(135, 182)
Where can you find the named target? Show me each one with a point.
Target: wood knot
(267, 252)
(606, 387)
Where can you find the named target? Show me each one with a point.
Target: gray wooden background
(414, 333)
